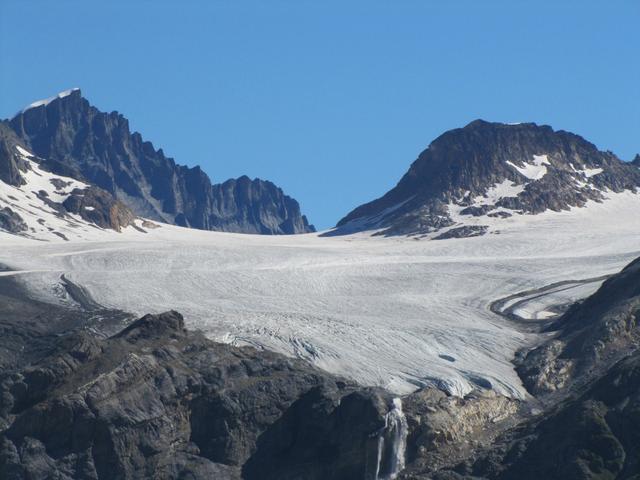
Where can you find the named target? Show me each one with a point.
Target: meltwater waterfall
(392, 443)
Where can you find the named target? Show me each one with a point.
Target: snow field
(392, 312)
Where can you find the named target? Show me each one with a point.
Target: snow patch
(39, 180)
(590, 172)
(505, 189)
(535, 170)
(587, 172)
(24, 152)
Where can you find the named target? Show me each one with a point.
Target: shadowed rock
(159, 402)
(78, 140)
(10, 221)
(11, 164)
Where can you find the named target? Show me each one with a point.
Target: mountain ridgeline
(77, 140)
(463, 184)
(489, 171)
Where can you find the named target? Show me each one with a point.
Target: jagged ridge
(78, 140)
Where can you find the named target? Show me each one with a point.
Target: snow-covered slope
(395, 311)
(37, 208)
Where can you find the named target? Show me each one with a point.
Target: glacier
(395, 312)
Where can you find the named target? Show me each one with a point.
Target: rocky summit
(486, 172)
(77, 140)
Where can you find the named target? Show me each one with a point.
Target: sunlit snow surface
(535, 170)
(30, 201)
(501, 190)
(386, 311)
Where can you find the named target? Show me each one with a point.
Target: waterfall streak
(392, 443)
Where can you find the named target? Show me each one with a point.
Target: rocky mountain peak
(490, 171)
(65, 96)
(78, 140)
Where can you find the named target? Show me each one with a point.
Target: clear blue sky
(331, 100)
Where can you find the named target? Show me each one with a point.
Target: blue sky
(331, 100)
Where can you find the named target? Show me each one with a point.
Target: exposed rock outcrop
(592, 437)
(446, 429)
(99, 207)
(463, 232)
(10, 221)
(156, 401)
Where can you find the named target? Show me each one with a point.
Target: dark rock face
(554, 169)
(10, 221)
(11, 163)
(158, 402)
(29, 328)
(255, 206)
(603, 436)
(463, 232)
(78, 140)
(593, 437)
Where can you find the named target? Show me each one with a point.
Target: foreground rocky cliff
(156, 401)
